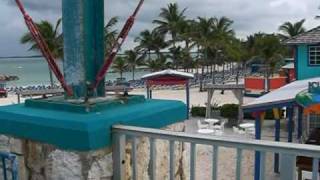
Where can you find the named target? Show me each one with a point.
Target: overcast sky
(249, 16)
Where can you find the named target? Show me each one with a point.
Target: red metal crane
(44, 48)
(116, 47)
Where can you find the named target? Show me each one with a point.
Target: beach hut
(289, 72)
(168, 77)
(306, 48)
(301, 99)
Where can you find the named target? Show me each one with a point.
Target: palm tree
(145, 43)
(110, 34)
(175, 54)
(52, 37)
(186, 32)
(222, 27)
(158, 64)
(289, 30)
(120, 66)
(159, 43)
(149, 41)
(203, 34)
(169, 22)
(133, 60)
(270, 49)
(223, 37)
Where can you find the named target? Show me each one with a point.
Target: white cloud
(249, 15)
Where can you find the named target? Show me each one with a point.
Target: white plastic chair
(251, 131)
(235, 129)
(218, 132)
(202, 126)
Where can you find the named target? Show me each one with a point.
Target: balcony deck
(218, 157)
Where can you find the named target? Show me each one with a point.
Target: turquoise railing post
(288, 166)
(239, 167)
(153, 159)
(172, 160)
(193, 161)
(315, 169)
(215, 153)
(257, 153)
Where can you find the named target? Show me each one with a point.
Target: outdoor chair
(202, 125)
(251, 131)
(237, 130)
(219, 127)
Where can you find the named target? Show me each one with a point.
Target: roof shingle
(309, 37)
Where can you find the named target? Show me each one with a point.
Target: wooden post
(19, 99)
(208, 110)
(148, 92)
(239, 95)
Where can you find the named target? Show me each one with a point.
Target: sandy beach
(196, 98)
(227, 156)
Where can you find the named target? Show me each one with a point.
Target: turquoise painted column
(83, 26)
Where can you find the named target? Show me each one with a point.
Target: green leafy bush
(229, 111)
(198, 111)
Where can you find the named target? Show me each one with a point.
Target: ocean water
(35, 72)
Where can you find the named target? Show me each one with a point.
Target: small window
(314, 55)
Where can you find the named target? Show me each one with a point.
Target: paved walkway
(227, 156)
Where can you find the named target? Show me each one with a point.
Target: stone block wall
(44, 162)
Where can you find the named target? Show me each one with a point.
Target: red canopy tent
(169, 77)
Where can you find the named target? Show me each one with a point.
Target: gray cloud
(36, 5)
(249, 16)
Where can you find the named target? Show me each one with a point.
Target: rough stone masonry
(39, 161)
